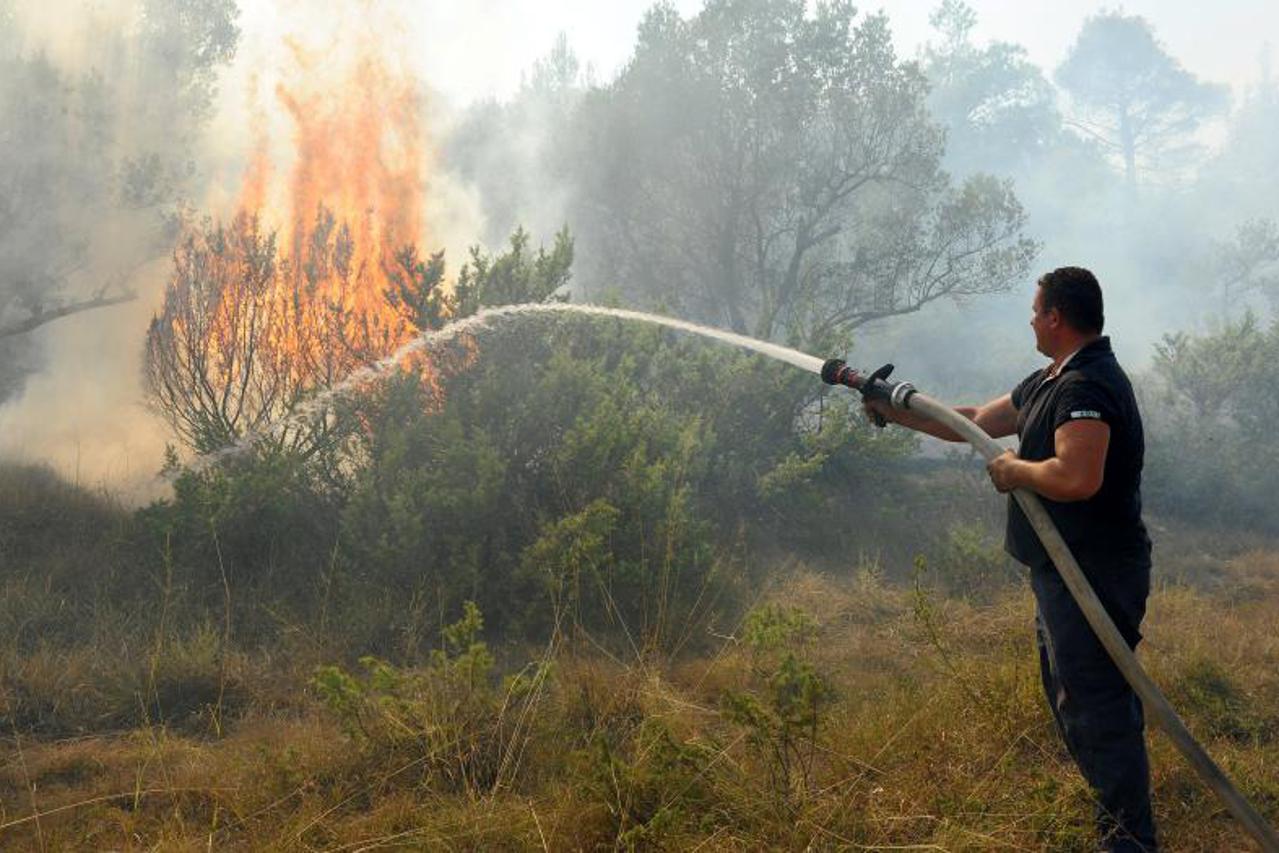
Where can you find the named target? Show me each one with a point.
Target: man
(1081, 450)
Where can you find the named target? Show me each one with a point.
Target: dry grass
(937, 739)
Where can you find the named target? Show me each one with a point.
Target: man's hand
(1003, 470)
(1074, 474)
(879, 409)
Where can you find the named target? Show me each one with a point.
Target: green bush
(1211, 406)
(970, 562)
(781, 710)
(448, 717)
(653, 785)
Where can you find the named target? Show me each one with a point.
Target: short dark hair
(1075, 293)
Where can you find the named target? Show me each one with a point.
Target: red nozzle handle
(837, 372)
(873, 387)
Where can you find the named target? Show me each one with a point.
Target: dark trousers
(1097, 713)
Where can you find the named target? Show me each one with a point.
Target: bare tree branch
(42, 317)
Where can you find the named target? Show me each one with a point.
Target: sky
(1222, 45)
(466, 50)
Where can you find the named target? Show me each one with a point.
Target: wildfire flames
(317, 274)
(358, 143)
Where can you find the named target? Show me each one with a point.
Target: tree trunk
(729, 290)
(1129, 147)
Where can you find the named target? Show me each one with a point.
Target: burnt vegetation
(575, 583)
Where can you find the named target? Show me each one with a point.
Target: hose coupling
(901, 394)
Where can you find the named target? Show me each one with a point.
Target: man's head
(1068, 311)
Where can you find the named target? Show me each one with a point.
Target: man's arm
(998, 418)
(1074, 474)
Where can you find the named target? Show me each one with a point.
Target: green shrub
(970, 563)
(782, 708)
(449, 716)
(653, 785)
(1211, 405)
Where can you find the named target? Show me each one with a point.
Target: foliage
(250, 541)
(970, 563)
(1212, 444)
(622, 511)
(1133, 96)
(1247, 263)
(652, 783)
(587, 504)
(999, 111)
(516, 277)
(245, 336)
(789, 186)
(189, 41)
(96, 161)
(782, 707)
(594, 752)
(449, 714)
(42, 515)
(415, 288)
(912, 761)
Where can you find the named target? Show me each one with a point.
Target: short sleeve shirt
(1107, 526)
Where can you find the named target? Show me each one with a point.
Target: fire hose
(903, 396)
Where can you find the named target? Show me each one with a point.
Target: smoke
(451, 125)
(83, 413)
(101, 115)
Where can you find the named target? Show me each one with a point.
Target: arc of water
(313, 406)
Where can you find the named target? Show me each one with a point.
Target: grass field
(849, 712)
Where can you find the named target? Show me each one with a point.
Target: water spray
(875, 386)
(315, 406)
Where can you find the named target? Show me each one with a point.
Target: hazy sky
(481, 47)
(476, 48)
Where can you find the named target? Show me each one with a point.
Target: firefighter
(1081, 449)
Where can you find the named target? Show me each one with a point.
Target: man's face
(1044, 323)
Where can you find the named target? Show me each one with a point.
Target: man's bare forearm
(919, 423)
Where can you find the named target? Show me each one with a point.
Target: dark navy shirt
(1107, 527)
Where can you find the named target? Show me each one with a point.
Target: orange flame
(347, 288)
(354, 201)
(359, 151)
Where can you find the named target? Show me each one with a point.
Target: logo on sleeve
(1085, 413)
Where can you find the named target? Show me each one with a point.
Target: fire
(354, 196)
(317, 275)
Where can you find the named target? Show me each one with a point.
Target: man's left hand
(1003, 470)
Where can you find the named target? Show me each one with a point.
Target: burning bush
(245, 335)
